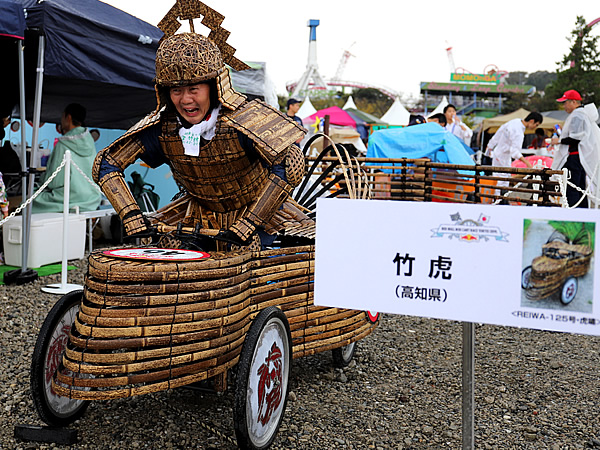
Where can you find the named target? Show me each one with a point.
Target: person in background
(438, 118)
(95, 133)
(416, 119)
(507, 142)
(579, 148)
(539, 141)
(455, 126)
(293, 106)
(5, 123)
(78, 140)
(3, 199)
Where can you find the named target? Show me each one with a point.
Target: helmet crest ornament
(195, 9)
(189, 58)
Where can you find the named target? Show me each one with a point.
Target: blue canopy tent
(91, 53)
(12, 35)
(86, 52)
(428, 140)
(12, 20)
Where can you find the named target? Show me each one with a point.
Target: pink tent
(545, 161)
(337, 116)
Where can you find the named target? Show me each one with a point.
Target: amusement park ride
(590, 26)
(314, 83)
(311, 80)
(490, 69)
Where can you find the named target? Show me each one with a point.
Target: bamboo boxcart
(557, 269)
(152, 319)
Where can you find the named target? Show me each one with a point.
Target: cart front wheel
(569, 291)
(47, 359)
(525, 276)
(343, 355)
(262, 382)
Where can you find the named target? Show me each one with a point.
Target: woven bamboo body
(559, 261)
(149, 326)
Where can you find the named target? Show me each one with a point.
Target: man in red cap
(579, 147)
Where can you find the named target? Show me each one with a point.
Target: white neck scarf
(190, 137)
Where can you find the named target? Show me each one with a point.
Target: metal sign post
(468, 381)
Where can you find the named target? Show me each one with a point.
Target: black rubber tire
(247, 390)
(525, 274)
(343, 355)
(568, 290)
(53, 337)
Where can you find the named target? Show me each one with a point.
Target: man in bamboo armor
(235, 161)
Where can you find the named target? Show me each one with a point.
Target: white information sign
(507, 265)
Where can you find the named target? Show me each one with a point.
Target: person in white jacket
(507, 143)
(455, 126)
(579, 148)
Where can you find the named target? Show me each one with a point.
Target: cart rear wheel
(525, 276)
(343, 355)
(262, 382)
(568, 291)
(47, 359)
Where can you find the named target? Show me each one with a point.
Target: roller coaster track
(590, 26)
(332, 84)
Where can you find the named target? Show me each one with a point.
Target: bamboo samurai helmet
(189, 58)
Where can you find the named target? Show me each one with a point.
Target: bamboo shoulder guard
(271, 130)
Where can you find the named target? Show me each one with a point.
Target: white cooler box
(45, 239)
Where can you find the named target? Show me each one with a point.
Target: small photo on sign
(557, 265)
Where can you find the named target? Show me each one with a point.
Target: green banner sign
(478, 88)
(475, 78)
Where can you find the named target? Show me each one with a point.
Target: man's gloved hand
(231, 238)
(240, 233)
(194, 240)
(138, 225)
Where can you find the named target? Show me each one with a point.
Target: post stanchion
(64, 287)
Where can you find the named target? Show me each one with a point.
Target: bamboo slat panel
(148, 326)
(422, 180)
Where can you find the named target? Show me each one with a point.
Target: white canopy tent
(397, 114)
(439, 108)
(307, 109)
(350, 103)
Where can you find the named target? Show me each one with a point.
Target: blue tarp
(95, 54)
(428, 140)
(12, 19)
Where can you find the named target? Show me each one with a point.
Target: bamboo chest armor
(222, 177)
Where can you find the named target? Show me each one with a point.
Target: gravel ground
(533, 390)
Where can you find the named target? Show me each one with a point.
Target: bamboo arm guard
(270, 199)
(116, 190)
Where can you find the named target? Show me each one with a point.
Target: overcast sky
(396, 44)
